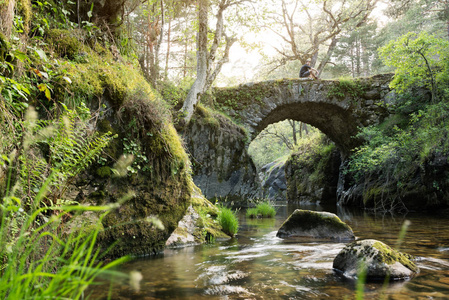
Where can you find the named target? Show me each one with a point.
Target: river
(258, 265)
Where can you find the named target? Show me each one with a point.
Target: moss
(372, 193)
(65, 42)
(104, 171)
(308, 220)
(4, 47)
(24, 10)
(347, 87)
(310, 168)
(243, 96)
(206, 116)
(389, 256)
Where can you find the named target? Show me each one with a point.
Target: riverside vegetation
(91, 166)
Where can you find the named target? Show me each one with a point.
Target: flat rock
(380, 260)
(314, 224)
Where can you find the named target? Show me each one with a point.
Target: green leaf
(41, 54)
(67, 79)
(48, 94)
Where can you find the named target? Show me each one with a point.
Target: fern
(72, 147)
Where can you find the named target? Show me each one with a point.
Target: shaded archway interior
(337, 123)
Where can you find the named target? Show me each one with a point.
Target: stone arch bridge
(337, 107)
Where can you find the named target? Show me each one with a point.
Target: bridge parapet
(336, 107)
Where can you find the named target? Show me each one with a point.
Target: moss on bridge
(239, 98)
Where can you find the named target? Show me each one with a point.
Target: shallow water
(258, 265)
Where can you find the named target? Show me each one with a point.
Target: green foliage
(36, 263)
(264, 210)
(420, 60)
(41, 256)
(309, 165)
(140, 160)
(252, 212)
(346, 87)
(69, 150)
(172, 94)
(276, 142)
(393, 155)
(50, 15)
(228, 221)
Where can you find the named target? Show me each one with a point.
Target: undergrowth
(41, 255)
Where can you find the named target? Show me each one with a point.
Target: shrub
(228, 221)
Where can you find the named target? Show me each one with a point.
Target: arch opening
(305, 168)
(334, 121)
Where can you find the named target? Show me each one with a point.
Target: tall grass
(40, 260)
(228, 221)
(42, 254)
(264, 210)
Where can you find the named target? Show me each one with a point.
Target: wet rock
(274, 184)
(184, 234)
(222, 168)
(314, 224)
(379, 259)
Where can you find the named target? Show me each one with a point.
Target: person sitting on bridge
(308, 71)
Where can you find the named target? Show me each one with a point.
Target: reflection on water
(258, 265)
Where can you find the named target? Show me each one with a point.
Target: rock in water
(315, 224)
(379, 259)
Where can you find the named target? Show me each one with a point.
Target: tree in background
(419, 15)
(356, 53)
(419, 59)
(158, 27)
(308, 32)
(278, 140)
(208, 66)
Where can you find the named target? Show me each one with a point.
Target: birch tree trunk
(201, 66)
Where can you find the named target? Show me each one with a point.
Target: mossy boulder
(314, 224)
(379, 260)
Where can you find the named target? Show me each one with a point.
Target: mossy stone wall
(222, 167)
(312, 173)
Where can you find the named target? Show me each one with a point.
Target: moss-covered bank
(109, 91)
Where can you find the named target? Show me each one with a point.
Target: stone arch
(337, 109)
(337, 123)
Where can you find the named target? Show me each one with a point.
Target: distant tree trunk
(184, 73)
(167, 56)
(447, 23)
(357, 56)
(7, 17)
(201, 66)
(294, 132)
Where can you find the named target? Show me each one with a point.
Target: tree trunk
(293, 125)
(167, 56)
(201, 65)
(7, 17)
(330, 51)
